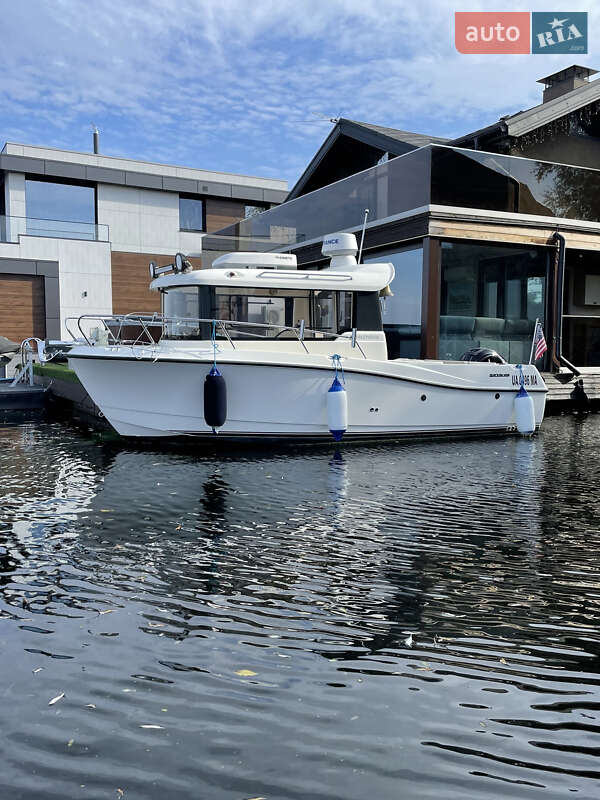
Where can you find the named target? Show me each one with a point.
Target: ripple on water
(406, 620)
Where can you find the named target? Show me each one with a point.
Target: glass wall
(388, 189)
(60, 209)
(401, 313)
(475, 179)
(491, 295)
(436, 175)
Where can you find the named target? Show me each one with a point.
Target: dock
(20, 397)
(561, 385)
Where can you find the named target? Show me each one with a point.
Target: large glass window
(60, 209)
(191, 213)
(491, 295)
(401, 313)
(581, 311)
(275, 309)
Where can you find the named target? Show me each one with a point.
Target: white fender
(337, 410)
(524, 412)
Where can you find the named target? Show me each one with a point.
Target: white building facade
(77, 230)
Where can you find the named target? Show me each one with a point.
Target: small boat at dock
(257, 349)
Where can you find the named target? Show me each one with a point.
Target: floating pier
(20, 396)
(565, 391)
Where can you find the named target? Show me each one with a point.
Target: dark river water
(400, 621)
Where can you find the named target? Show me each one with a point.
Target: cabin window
(268, 312)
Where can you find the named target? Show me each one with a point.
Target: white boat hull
(160, 393)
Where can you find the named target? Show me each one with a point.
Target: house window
(191, 213)
(491, 295)
(60, 209)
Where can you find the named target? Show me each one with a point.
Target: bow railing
(149, 329)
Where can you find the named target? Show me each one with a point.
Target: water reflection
(417, 620)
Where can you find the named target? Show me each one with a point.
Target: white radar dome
(341, 248)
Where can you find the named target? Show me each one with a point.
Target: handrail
(145, 321)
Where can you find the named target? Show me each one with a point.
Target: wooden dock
(561, 385)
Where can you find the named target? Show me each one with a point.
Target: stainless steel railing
(149, 329)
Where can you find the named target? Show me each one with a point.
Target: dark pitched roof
(415, 139)
(389, 140)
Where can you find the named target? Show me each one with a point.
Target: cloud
(232, 85)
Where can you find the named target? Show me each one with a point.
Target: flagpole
(535, 327)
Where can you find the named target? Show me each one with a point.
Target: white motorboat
(255, 348)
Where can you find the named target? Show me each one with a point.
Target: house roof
(390, 140)
(415, 139)
(525, 121)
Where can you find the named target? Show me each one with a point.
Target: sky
(249, 86)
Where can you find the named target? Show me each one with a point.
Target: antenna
(362, 238)
(322, 117)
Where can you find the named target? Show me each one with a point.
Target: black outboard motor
(483, 354)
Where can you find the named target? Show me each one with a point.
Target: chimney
(566, 80)
(96, 139)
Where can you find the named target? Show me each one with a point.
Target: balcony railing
(432, 175)
(13, 227)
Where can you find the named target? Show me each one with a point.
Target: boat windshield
(326, 312)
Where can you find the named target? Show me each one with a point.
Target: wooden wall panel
(131, 279)
(484, 231)
(221, 212)
(22, 307)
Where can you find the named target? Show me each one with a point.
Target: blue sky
(239, 85)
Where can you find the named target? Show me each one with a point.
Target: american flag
(539, 342)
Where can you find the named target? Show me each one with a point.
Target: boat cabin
(266, 296)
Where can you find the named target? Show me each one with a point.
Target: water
(403, 621)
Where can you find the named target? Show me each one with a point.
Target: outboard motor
(483, 354)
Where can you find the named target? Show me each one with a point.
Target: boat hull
(163, 397)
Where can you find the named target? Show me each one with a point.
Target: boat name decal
(499, 374)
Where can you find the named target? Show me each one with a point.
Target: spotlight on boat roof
(155, 270)
(181, 264)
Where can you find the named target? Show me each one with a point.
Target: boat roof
(361, 278)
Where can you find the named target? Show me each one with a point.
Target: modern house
(470, 224)
(77, 230)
